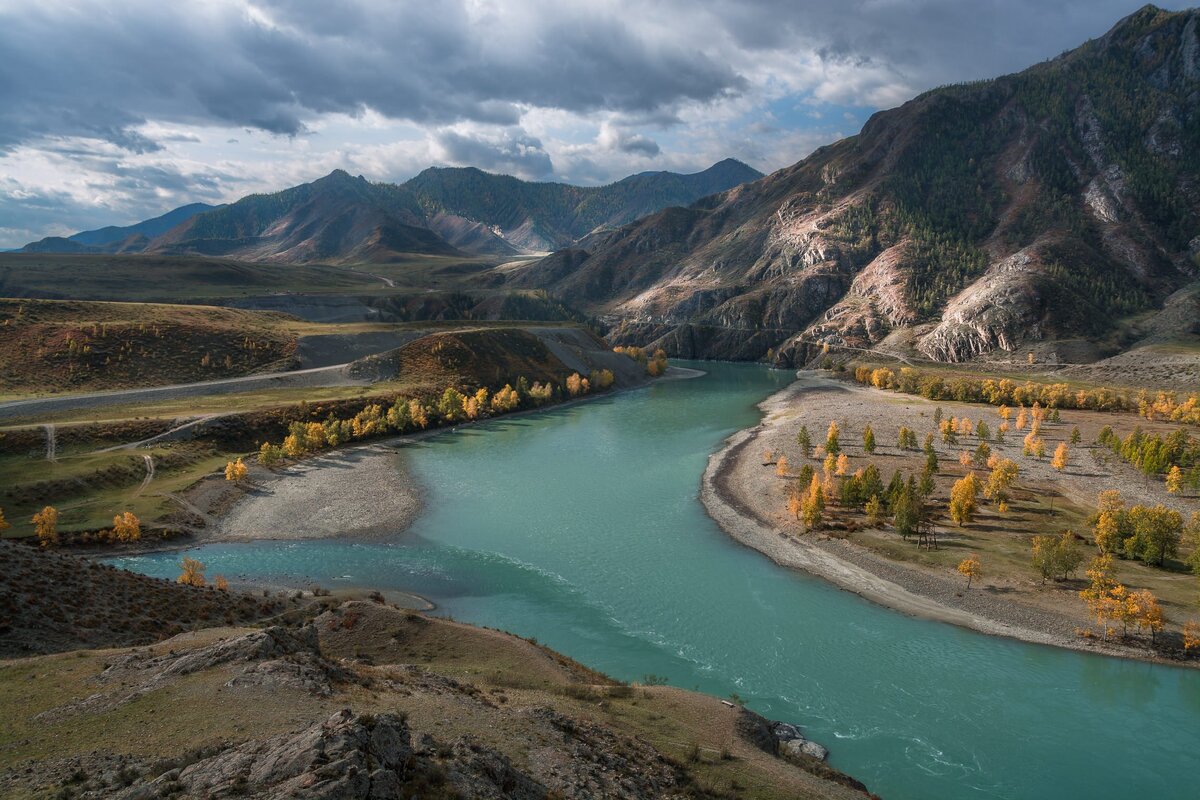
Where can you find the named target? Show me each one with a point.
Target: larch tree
(1075, 437)
(127, 527)
(45, 523)
(868, 439)
(1061, 457)
(220, 584)
(1022, 419)
(842, 465)
(236, 471)
(814, 505)
(964, 499)
(874, 510)
(1191, 636)
(805, 441)
(831, 439)
(781, 466)
(1000, 482)
(3, 522)
(191, 572)
(970, 568)
(1149, 612)
(1175, 480)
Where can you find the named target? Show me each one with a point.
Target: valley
(877, 475)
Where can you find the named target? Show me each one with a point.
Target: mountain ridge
(450, 211)
(974, 219)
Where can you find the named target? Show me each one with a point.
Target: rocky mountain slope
(975, 219)
(345, 220)
(548, 216)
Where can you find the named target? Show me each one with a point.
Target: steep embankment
(973, 219)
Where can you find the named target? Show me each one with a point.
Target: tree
(1191, 636)
(795, 501)
(1003, 476)
(236, 471)
(270, 454)
(1005, 412)
(1098, 594)
(1149, 612)
(937, 416)
(1156, 534)
(983, 454)
(574, 385)
(1022, 419)
(805, 441)
(843, 464)
(970, 568)
(983, 431)
(1174, 480)
(507, 399)
(127, 527)
(831, 439)
(602, 378)
(868, 439)
(1075, 437)
(814, 505)
(1108, 532)
(192, 573)
(1191, 535)
(781, 466)
(1056, 555)
(450, 406)
(1060, 460)
(874, 511)
(964, 499)
(220, 584)
(45, 522)
(3, 522)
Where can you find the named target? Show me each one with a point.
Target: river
(581, 527)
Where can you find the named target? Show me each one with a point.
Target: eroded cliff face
(981, 218)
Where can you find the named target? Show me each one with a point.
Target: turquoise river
(581, 527)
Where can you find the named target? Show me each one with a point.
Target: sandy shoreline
(731, 492)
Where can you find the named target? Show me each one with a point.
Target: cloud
(113, 112)
(512, 152)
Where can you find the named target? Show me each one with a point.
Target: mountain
(442, 211)
(547, 216)
(113, 238)
(1041, 206)
(337, 219)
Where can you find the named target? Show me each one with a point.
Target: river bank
(747, 502)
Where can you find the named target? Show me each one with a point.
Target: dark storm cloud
(71, 69)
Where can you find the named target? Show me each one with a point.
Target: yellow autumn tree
(602, 379)
(235, 471)
(970, 568)
(813, 505)
(1061, 457)
(781, 466)
(269, 454)
(45, 523)
(1191, 635)
(505, 400)
(964, 499)
(220, 584)
(1149, 613)
(842, 464)
(575, 384)
(192, 572)
(127, 527)
(1022, 419)
(1174, 479)
(1004, 475)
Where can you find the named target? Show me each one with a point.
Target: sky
(113, 112)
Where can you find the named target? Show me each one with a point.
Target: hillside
(361, 699)
(66, 345)
(118, 239)
(547, 216)
(1030, 211)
